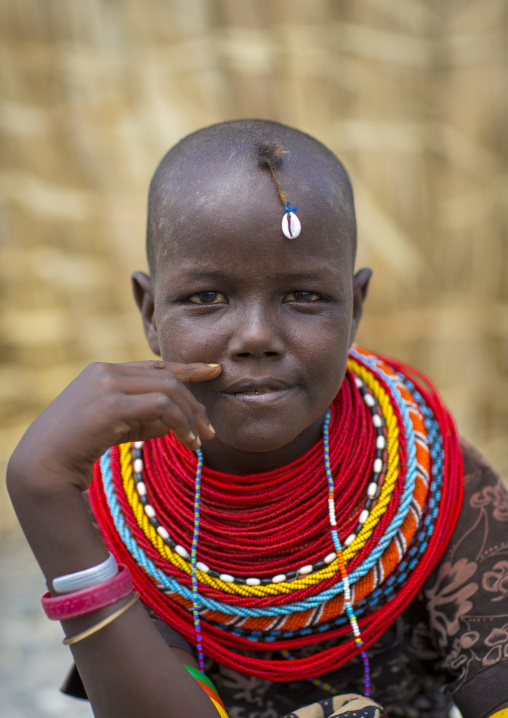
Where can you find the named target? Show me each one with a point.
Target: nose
(256, 336)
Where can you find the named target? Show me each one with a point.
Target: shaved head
(225, 160)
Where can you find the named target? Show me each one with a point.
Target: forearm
(126, 667)
(55, 521)
(128, 670)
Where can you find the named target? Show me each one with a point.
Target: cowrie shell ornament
(291, 226)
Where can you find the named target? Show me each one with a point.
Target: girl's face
(279, 316)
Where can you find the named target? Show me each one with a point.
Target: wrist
(90, 599)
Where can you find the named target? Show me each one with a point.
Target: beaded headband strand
(270, 158)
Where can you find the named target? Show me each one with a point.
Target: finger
(166, 381)
(113, 386)
(205, 429)
(154, 414)
(154, 376)
(187, 373)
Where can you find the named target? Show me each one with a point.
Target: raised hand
(108, 404)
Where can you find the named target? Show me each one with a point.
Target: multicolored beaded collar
(341, 539)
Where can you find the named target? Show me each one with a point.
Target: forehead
(232, 212)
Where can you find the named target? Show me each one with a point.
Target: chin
(254, 442)
(269, 438)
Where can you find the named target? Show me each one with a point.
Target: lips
(256, 386)
(258, 391)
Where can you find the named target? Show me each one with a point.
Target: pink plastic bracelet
(88, 600)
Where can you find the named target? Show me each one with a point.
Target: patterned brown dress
(449, 646)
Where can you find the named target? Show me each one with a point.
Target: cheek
(330, 372)
(181, 342)
(325, 353)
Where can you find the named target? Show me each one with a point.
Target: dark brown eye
(208, 298)
(302, 297)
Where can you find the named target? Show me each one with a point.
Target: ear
(360, 286)
(143, 294)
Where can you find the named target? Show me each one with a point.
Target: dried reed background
(411, 94)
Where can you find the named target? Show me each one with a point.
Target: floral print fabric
(449, 645)
(454, 631)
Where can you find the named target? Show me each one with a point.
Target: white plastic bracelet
(86, 578)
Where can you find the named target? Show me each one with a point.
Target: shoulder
(484, 491)
(481, 532)
(475, 465)
(467, 592)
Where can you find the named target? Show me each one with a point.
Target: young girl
(288, 507)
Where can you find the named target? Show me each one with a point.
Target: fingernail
(191, 437)
(198, 442)
(213, 366)
(211, 428)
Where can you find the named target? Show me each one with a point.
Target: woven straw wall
(412, 95)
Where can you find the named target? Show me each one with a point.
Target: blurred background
(411, 94)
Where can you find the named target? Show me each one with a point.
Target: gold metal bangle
(105, 622)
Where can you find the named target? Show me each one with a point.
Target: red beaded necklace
(264, 539)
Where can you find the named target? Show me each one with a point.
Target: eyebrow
(198, 274)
